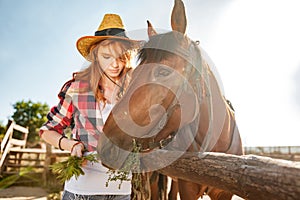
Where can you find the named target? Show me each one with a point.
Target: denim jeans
(71, 196)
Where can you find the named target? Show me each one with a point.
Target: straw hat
(111, 27)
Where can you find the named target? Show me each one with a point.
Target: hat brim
(85, 43)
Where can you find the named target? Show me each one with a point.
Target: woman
(85, 103)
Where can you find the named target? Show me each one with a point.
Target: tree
(2, 131)
(31, 115)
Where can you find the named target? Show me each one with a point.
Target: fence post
(46, 172)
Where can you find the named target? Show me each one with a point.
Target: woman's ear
(178, 17)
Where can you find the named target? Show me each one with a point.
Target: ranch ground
(36, 193)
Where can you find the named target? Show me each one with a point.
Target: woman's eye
(106, 57)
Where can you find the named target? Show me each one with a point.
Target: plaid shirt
(79, 109)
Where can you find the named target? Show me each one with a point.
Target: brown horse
(174, 103)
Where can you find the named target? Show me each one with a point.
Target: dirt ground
(23, 193)
(36, 193)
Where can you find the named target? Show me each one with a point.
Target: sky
(254, 44)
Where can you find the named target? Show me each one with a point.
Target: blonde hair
(93, 73)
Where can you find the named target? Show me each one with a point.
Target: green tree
(2, 131)
(31, 115)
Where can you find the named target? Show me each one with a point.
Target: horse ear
(178, 17)
(151, 30)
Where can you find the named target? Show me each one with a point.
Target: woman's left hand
(77, 149)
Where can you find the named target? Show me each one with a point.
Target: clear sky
(254, 44)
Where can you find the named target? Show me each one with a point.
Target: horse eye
(162, 72)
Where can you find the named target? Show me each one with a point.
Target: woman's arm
(59, 118)
(54, 138)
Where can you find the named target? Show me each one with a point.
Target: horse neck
(215, 118)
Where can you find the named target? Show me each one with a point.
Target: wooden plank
(17, 142)
(13, 172)
(37, 159)
(37, 151)
(5, 145)
(3, 157)
(7, 137)
(28, 150)
(14, 165)
(21, 129)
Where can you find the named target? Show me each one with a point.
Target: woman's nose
(115, 63)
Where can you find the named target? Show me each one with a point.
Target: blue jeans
(71, 196)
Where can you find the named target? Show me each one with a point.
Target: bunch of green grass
(71, 167)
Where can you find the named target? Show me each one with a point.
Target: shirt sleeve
(60, 116)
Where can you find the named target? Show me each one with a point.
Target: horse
(173, 102)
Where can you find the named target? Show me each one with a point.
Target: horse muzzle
(111, 155)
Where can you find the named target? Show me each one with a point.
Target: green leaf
(132, 162)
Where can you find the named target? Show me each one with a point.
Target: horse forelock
(164, 46)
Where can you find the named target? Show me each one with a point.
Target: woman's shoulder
(76, 84)
(81, 84)
(73, 86)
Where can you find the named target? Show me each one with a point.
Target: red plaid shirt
(79, 109)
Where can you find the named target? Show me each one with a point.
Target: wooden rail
(250, 176)
(279, 152)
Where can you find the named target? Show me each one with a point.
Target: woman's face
(110, 59)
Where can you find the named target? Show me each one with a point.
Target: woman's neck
(109, 82)
(109, 89)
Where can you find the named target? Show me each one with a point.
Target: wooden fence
(15, 156)
(280, 152)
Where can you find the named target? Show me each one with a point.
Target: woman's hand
(77, 149)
